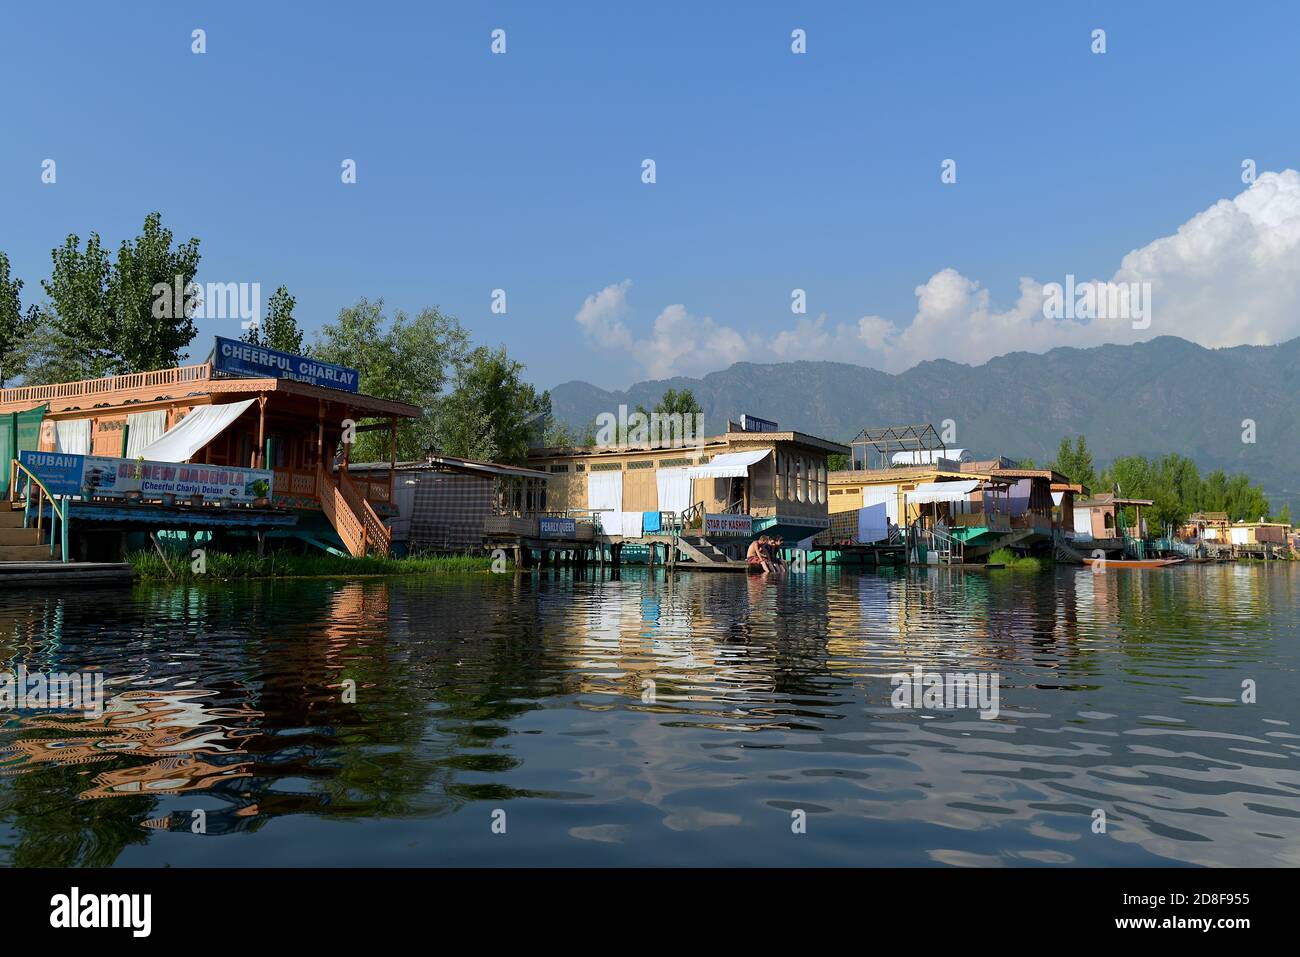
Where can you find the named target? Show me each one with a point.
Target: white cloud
(680, 344)
(601, 315)
(685, 345)
(1229, 275)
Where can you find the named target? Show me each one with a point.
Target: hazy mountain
(1166, 395)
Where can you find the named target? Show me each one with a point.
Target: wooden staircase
(19, 544)
(357, 523)
(1064, 552)
(702, 551)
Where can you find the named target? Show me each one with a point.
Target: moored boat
(1134, 562)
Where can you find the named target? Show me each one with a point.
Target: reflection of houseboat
(201, 415)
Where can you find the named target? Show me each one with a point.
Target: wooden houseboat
(740, 484)
(208, 415)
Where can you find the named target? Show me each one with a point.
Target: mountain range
(1150, 398)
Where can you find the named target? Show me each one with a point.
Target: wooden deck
(17, 574)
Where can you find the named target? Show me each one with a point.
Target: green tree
(15, 324)
(83, 317)
(280, 329)
(409, 360)
(47, 355)
(123, 315)
(491, 414)
(1075, 462)
(674, 402)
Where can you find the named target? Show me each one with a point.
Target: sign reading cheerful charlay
(240, 358)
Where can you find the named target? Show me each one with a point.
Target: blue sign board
(60, 472)
(752, 423)
(558, 527)
(241, 358)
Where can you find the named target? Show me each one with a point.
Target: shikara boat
(1134, 562)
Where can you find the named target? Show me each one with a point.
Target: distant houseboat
(740, 484)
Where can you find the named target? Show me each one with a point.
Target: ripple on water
(648, 721)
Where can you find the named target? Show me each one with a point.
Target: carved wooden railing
(134, 380)
(341, 515)
(376, 533)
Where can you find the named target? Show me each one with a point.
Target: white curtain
(674, 489)
(72, 436)
(195, 431)
(143, 429)
(605, 494)
(873, 523)
(886, 495)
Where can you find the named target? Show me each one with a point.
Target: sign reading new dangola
(240, 358)
(63, 473)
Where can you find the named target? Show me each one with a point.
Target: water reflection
(648, 720)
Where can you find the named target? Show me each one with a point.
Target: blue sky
(775, 171)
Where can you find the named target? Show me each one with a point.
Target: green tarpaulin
(19, 432)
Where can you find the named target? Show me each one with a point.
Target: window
(559, 468)
(643, 464)
(801, 478)
(779, 478)
(607, 467)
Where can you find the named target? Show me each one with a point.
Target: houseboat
(963, 511)
(728, 488)
(449, 505)
(244, 443)
(1100, 525)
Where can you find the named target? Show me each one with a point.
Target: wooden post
(261, 432)
(347, 446)
(392, 454)
(320, 436)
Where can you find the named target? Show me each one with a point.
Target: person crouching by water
(759, 554)
(776, 544)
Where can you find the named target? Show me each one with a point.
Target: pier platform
(19, 574)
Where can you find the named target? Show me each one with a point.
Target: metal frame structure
(885, 441)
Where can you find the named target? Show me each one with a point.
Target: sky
(774, 171)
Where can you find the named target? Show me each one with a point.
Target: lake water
(702, 721)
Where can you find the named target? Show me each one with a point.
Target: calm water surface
(1119, 692)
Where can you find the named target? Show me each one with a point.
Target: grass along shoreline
(226, 566)
(1010, 561)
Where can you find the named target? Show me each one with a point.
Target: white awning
(196, 430)
(941, 492)
(729, 465)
